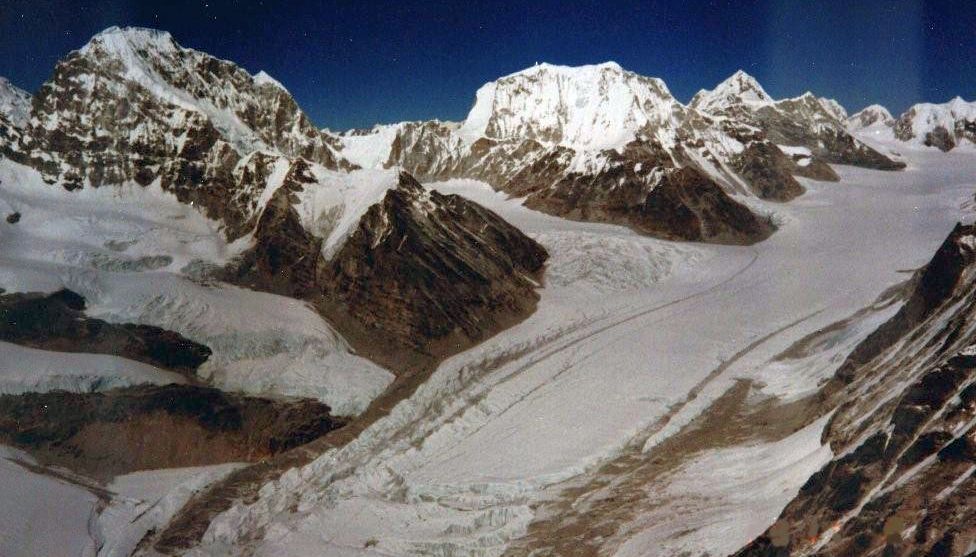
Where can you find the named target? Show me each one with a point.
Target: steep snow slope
(588, 107)
(457, 468)
(14, 103)
(739, 88)
(140, 256)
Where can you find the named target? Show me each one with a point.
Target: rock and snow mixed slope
(943, 126)
(455, 469)
(596, 143)
(136, 117)
(807, 121)
(150, 179)
(904, 433)
(870, 117)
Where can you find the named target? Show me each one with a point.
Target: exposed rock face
(424, 272)
(57, 322)
(938, 125)
(148, 427)
(428, 267)
(769, 172)
(905, 430)
(806, 121)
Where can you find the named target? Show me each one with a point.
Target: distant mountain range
(173, 187)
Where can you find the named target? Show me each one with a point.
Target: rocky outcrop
(422, 273)
(768, 171)
(904, 430)
(57, 322)
(150, 427)
(430, 269)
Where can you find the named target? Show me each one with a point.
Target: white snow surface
(30, 370)
(149, 499)
(711, 492)
(53, 513)
(43, 515)
(592, 107)
(132, 251)
(455, 469)
(370, 150)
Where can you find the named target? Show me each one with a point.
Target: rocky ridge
(904, 432)
(807, 121)
(592, 143)
(133, 106)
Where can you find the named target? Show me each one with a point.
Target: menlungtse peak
(591, 107)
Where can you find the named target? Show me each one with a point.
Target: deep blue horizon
(353, 65)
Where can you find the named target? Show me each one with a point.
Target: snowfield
(57, 514)
(616, 345)
(136, 255)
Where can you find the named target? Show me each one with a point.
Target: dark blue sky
(352, 64)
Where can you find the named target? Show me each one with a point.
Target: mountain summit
(738, 88)
(588, 107)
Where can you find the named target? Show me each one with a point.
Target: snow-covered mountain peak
(938, 125)
(587, 107)
(148, 68)
(873, 115)
(262, 78)
(738, 89)
(124, 39)
(14, 103)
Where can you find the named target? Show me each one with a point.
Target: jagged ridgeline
(369, 248)
(332, 219)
